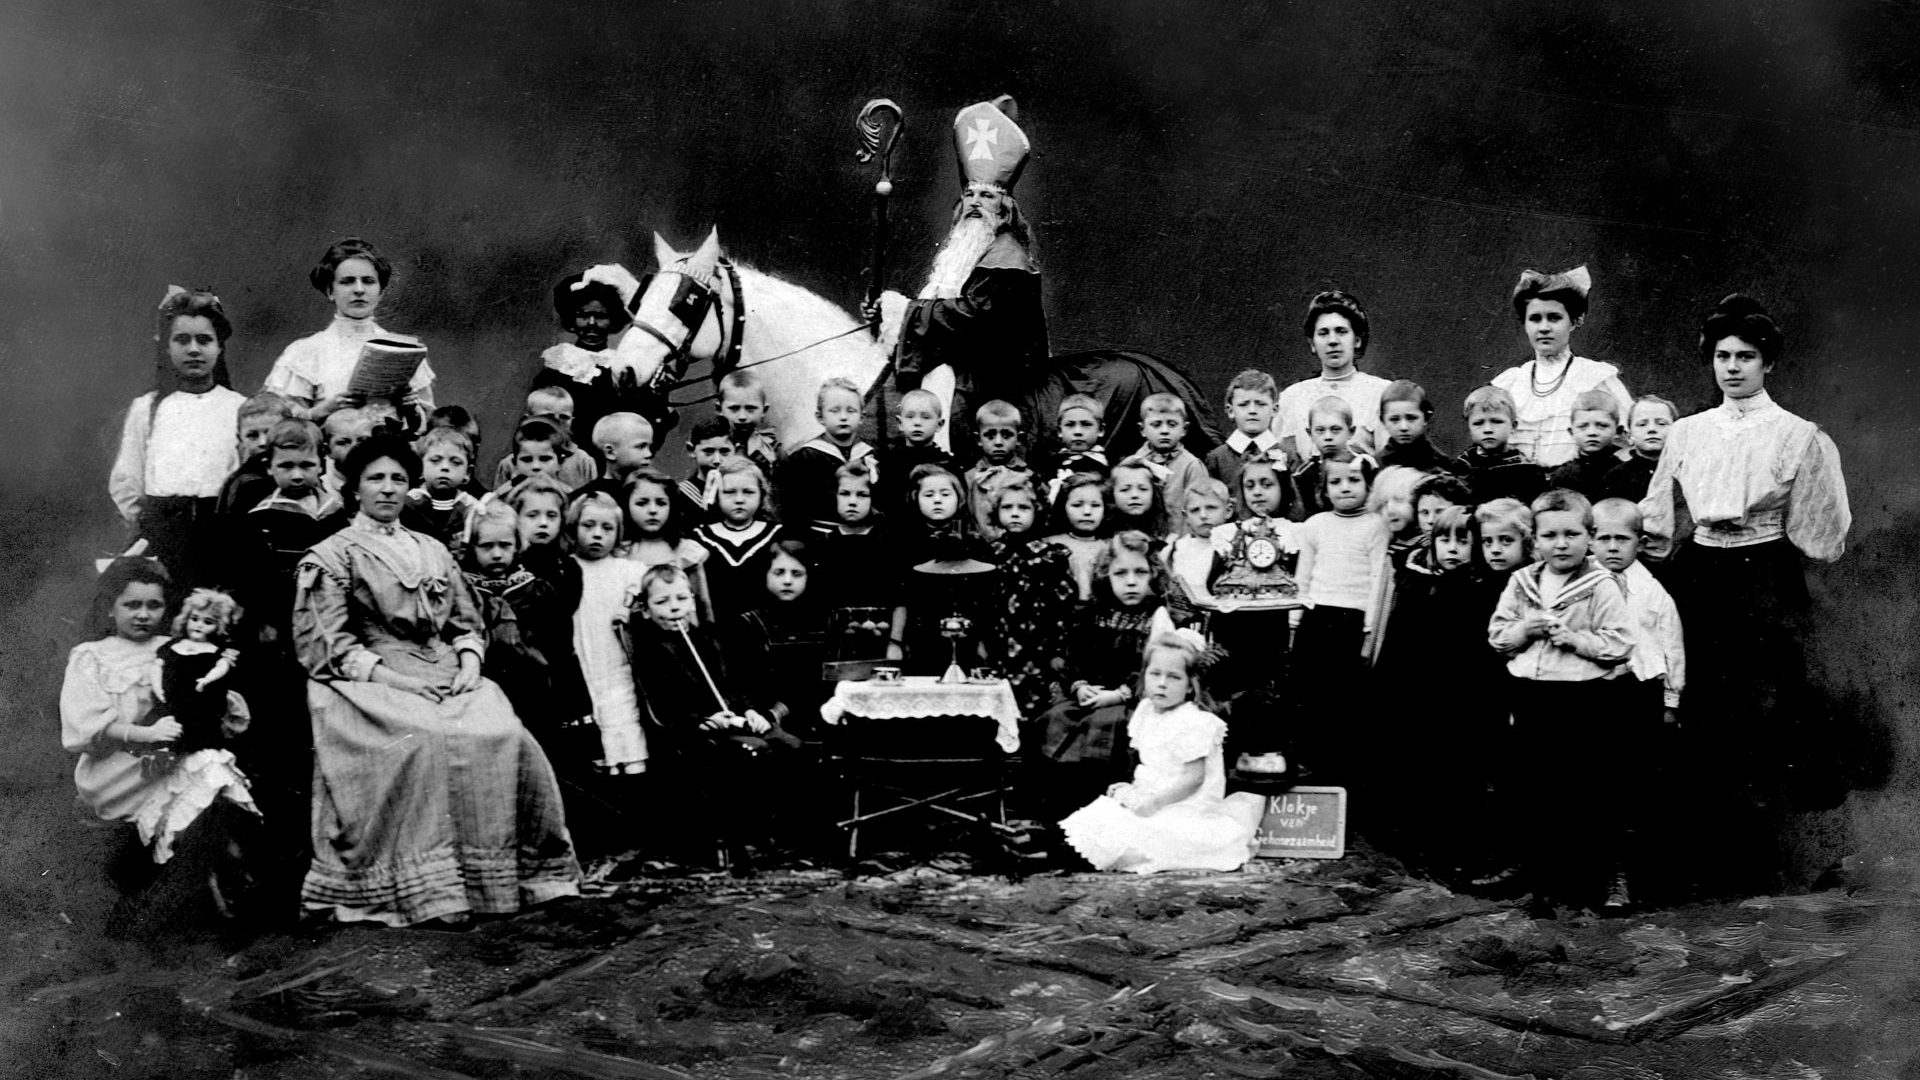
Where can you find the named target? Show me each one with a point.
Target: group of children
(650, 628)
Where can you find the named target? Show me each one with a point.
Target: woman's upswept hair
(382, 445)
(1739, 315)
(1335, 302)
(1561, 287)
(348, 247)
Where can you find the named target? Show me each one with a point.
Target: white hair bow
(619, 277)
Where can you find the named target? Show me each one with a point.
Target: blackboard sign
(1305, 823)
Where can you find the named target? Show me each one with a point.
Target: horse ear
(709, 252)
(663, 253)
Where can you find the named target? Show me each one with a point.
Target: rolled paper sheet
(386, 367)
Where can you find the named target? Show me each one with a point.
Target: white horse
(790, 339)
(793, 340)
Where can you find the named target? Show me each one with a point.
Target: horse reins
(692, 303)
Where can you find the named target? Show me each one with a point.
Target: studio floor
(1290, 968)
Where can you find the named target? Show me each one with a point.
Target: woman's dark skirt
(1755, 742)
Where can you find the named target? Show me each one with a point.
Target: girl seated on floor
(1174, 814)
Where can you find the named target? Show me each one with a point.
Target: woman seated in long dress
(1175, 813)
(431, 800)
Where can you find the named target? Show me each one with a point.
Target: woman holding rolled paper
(316, 373)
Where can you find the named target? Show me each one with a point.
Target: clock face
(1262, 554)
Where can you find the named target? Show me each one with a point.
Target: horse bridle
(692, 303)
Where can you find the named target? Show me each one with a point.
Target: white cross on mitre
(981, 140)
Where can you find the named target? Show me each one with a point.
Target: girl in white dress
(105, 703)
(1550, 308)
(609, 594)
(1174, 814)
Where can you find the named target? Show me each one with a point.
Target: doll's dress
(1207, 830)
(183, 663)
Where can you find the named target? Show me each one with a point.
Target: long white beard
(957, 257)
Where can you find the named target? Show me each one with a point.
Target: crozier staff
(1550, 308)
(979, 313)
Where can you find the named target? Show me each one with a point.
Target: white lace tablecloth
(922, 697)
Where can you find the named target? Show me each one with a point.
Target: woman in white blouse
(1550, 308)
(1743, 491)
(1337, 335)
(314, 371)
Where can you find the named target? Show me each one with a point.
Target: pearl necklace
(1533, 378)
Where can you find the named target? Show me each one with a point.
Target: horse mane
(813, 307)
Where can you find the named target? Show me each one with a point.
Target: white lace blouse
(318, 366)
(1745, 473)
(1543, 430)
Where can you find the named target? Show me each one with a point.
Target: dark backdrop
(1200, 169)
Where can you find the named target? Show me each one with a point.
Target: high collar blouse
(1746, 472)
(318, 366)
